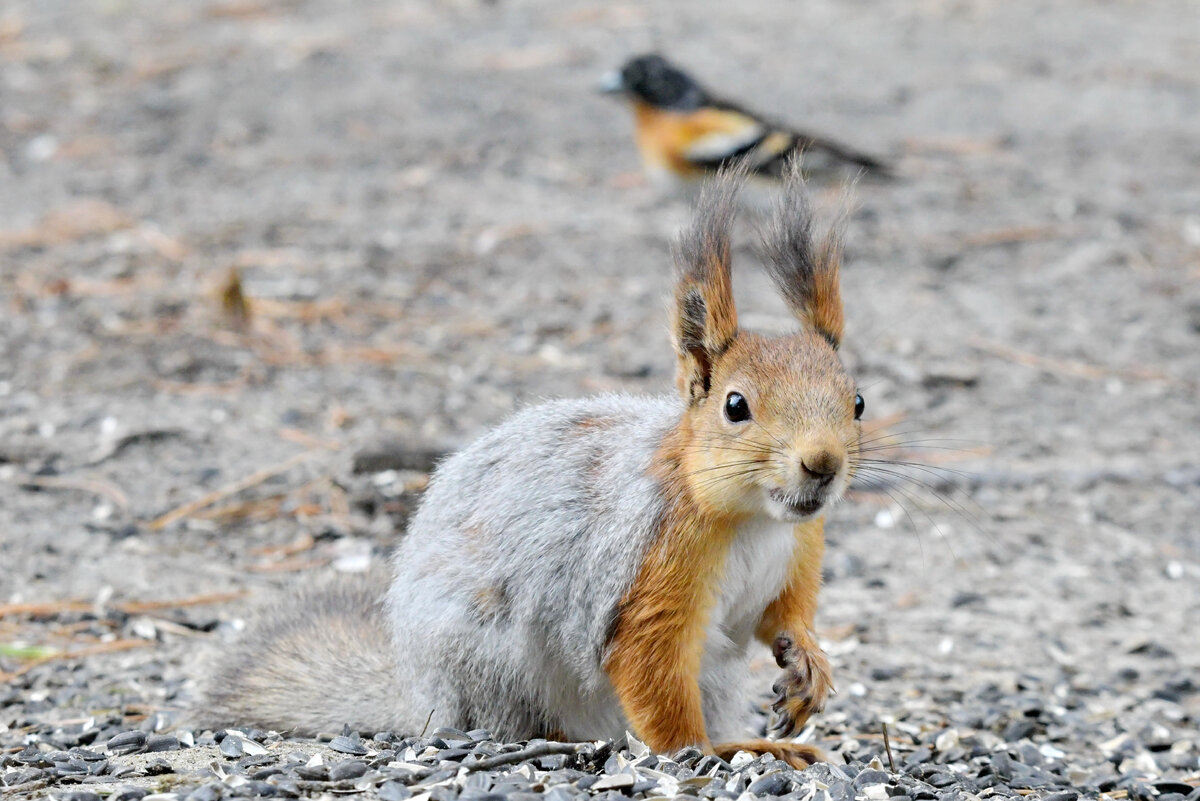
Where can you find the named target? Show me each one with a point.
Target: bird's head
(654, 80)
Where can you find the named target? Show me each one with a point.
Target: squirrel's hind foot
(795, 754)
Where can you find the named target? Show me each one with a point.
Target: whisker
(882, 467)
(778, 441)
(935, 470)
(701, 446)
(711, 439)
(928, 517)
(912, 524)
(947, 501)
(745, 471)
(904, 446)
(892, 441)
(739, 463)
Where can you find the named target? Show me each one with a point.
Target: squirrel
(601, 565)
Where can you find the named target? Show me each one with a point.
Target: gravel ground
(436, 221)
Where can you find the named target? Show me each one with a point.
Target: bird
(685, 133)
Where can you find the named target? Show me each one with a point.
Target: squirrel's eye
(859, 406)
(737, 410)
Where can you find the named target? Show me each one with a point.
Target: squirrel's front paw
(805, 684)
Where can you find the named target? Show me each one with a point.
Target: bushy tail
(311, 662)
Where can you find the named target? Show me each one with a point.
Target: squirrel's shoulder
(635, 418)
(546, 450)
(612, 407)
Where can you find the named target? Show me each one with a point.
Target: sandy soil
(437, 220)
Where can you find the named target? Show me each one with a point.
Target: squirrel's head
(771, 424)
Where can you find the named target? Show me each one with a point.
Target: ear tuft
(705, 319)
(804, 269)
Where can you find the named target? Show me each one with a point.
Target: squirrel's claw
(792, 713)
(802, 689)
(781, 726)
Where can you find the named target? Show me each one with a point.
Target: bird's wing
(720, 135)
(723, 132)
(695, 142)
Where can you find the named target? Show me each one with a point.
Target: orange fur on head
(787, 382)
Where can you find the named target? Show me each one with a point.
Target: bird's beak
(611, 83)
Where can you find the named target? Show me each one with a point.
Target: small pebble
(774, 783)
(314, 773)
(231, 746)
(348, 745)
(616, 781)
(158, 767)
(81, 795)
(127, 742)
(161, 742)
(347, 769)
(129, 794)
(870, 776)
(207, 792)
(394, 791)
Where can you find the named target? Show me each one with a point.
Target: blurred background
(262, 261)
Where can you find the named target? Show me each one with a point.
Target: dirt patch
(436, 221)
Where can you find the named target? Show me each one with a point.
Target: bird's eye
(737, 410)
(859, 406)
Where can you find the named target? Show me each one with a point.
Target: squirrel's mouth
(796, 506)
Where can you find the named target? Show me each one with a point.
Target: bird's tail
(845, 153)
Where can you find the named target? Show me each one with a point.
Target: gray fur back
(504, 591)
(510, 577)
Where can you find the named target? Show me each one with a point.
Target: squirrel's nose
(821, 465)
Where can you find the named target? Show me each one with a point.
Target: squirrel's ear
(805, 270)
(704, 320)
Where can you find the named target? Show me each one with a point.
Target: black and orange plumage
(685, 132)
